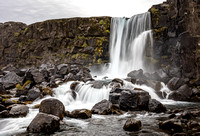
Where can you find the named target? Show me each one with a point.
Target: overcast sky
(30, 11)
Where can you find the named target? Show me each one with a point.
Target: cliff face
(176, 31)
(74, 40)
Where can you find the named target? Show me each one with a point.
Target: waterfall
(128, 40)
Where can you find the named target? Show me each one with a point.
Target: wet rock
(117, 80)
(10, 80)
(4, 114)
(171, 126)
(82, 114)
(2, 89)
(62, 69)
(134, 100)
(187, 115)
(156, 106)
(22, 98)
(103, 108)
(8, 102)
(98, 84)
(19, 111)
(52, 106)
(20, 92)
(180, 134)
(33, 94)
(74, 85)
(172, 116)
(136, 74)
(2, 108)
(182, 94)
(69, 77)
(132, 125)
(114, 98)
(44, 123)
(175, 83)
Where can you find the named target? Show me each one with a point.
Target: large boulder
(184, 93)
(10, 80)
(44, 123)
(175, 83)
(103, 108)
(134, 100)
(52, 106)
(19, 111)
(82, 114)
(156, 106)
(132, 125)
(136, 74)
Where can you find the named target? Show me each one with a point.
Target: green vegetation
(20, 45)
(18, 86)
(16, 34)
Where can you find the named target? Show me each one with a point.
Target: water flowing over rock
(130, 40)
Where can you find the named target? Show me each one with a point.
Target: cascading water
(128, 40)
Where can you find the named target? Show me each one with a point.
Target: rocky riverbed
(66, 99)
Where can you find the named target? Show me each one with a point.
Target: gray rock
(33, 94)
(10, 80)
(19, 111)
(103, 108)
(156, 106)
(184, 93)
(52, 106)
(44, 123)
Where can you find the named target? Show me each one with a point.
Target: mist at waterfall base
(129, 38)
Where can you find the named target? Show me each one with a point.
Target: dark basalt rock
(4, 114)
(62, 69)
(48, 42)
(156, 106)
(19, 111)
(33, 94)
(184, 93)
(74, 85)
(10, 80)
(175, 83)
(136, 74)
(2, 89)
(20, 92)
(171, 125)
(52, 106)
(2, 108)
(134, 100)
(132, 125)
(98, 84)
(44, 123)
(82, 114)
(103, 108)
